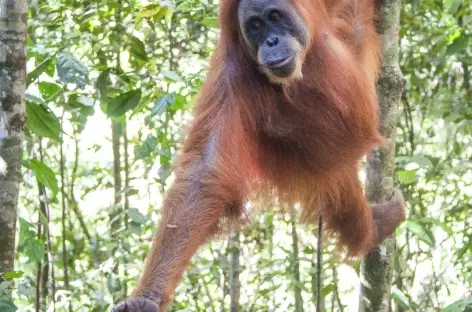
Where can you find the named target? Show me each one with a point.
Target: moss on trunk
(13, 14)
(377, 267)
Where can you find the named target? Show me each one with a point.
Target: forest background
(110, 88)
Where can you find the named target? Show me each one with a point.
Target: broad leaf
(7, 306)
(150, 10)
(458, 46)
(136, 216)
(420, 231)
(26, 231)
(406, 176)
(42, 67)
(35, 250)
(138, 50)
(29, 244)
(171, 76)
(41, 121)
(210, 21)
(452, 6)
(49, 89)
(71, 70)
(146, 148)
(443, 225)
(45, 175)
(13, 274)
(327, 289)
(102, 82)
(421, 161)
(180, 102)
(123, 103)
(163, 103)
(464, 305)
(400, 298)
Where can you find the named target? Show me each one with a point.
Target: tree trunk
(115, 214)
(13, 15)
(295, 266)
(235, 283)
(315, 291)
(377, 267)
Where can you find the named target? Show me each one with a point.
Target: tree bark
(295, 265)
(235, 283)
(13, 16)
(377, 267)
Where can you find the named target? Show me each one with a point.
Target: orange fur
(302, 141)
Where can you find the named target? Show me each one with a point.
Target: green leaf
(180, 102)
(102, 82)
(146, 148)
(406, 176)
(420, 231)
(458, 46)
(467, 20)
(169, 12)
(308, 250)
(130, 191)
(7, 306)
(400, 298)
(29, 243)
(41, 121)
(33, 98)
(41, 68)
(123, 103)
(25, 231)
(13, 274)
(135, 228)
(452, 6)
(150, 10)
(71, 70)
(327, 289)
(162, 103)
(138, 49)
(35, 250)
(464, 305)
(45, 175)
(443, 225)
(48, 89)
(51, 68)
(42, 218)
(210, 21)
(171, 76)
(421, 162)
(136, 216)
(26, 290)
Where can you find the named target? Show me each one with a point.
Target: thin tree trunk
(43, 232)
(377, 267)
(65, 257)
(315, 292)
(235, 283)
(13, 15)
(37, 304)
(296, 269)
(51, 260)
(115, 138)
(313, 275)
(466, 82)
(116, 130)
(72, 202)
(336, 289)
(224, 265)
(126, 196)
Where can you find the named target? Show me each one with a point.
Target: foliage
(141, 65)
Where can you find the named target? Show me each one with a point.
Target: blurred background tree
(110, 86)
